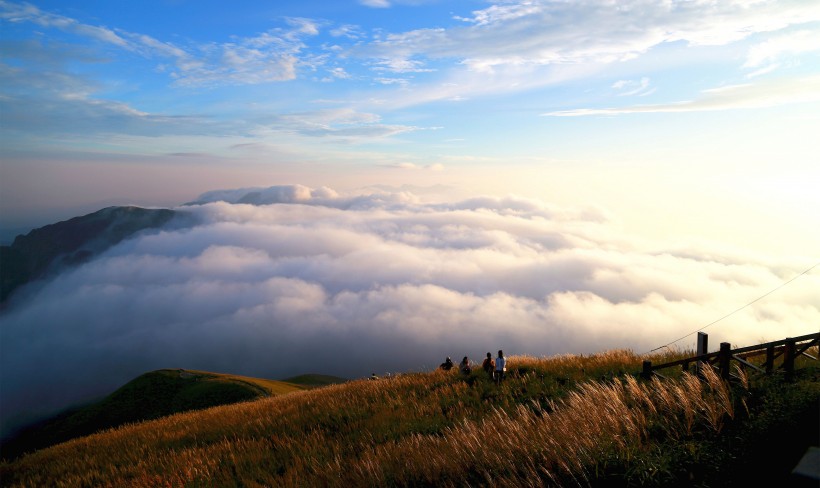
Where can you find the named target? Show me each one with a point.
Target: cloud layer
(302, 280)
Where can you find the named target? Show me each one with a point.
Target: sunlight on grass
(563, 420)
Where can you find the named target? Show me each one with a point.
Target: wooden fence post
(647, 370)
(703, 348)
(788, 358)
(769, 359)
(724, 358)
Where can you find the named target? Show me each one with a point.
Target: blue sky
(683, 109)
(545, 177)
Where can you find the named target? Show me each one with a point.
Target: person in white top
(500, 366)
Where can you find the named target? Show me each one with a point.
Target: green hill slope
(149, 396)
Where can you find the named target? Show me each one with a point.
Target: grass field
(560, 421)
(150, 396)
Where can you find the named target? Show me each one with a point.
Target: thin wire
(739, 309)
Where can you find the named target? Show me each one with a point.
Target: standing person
(488, 365)
(464, 367)
(500, 366)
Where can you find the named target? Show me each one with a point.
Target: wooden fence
(789, 349)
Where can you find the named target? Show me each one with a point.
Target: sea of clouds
(288, 280)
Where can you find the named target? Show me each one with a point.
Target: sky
(702, 114)
(559, 177)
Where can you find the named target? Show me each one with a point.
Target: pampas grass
(561, 421)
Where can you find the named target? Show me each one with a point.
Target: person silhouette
(488, 365)
(500, 366)
(464, 367)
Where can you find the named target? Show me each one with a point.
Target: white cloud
(757, 95)
(375, 3)
(14, 12)
(270, 56)
(310, 280)
(768, 55)
(393, 81)
(391, 3)
(411, 166)
(401, 65)
(503, 13)
(549, 32)
(340, 73)
(302, 26)
(348, 30)
(342, 124)
(51, 102)
(519, 45)
(633, 88)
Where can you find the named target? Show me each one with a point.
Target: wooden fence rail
(789, 348)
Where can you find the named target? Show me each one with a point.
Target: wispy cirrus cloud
(516, 41)
(548, 32)
(26, 12)
(401, 65)
(375, 3)
(391, 3)
(57, 102)
(628, 88)
(66, 105)
(751, 95)
(342, 124)
(521, 45)
(766, 56)
(270, 56)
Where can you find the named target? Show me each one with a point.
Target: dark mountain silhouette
(42, 251)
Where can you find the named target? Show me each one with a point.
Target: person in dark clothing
(488, 365)
(447, 365)
(464, 367)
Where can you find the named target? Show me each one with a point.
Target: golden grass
(528, 443)
(433, 428)
(270, 387)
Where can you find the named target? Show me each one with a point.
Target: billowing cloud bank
(301, 280)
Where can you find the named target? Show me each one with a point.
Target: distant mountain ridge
(71, 242)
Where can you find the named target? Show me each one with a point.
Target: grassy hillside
(315, 380)
(563, 421)
(149, 396)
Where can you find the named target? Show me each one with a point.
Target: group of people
(496, 369)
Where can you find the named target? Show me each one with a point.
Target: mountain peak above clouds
(34, 255)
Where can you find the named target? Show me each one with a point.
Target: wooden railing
(789, 349)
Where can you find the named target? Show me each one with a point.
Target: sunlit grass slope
(315, 380)
(149, 396)
(561, 421)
